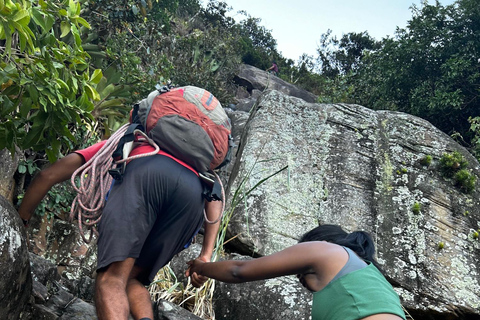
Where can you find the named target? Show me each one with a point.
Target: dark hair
(359, 241)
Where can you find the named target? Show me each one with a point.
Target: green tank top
(356, 295)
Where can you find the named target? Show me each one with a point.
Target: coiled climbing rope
(95, 181)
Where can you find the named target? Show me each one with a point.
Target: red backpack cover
(189, 123)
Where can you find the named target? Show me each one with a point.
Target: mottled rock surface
(255, 80)
(362, 169)
(8, 167)
(15, 280)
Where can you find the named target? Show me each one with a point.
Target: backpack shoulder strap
(125, 145)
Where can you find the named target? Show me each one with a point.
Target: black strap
(128, 136)
(228, 156)
(212, 193)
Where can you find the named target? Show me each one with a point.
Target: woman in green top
(338, 267)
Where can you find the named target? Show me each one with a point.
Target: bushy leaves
(47, 88)
(431, 68)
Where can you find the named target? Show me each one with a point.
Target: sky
(298, 24)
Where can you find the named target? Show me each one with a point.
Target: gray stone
(349, 165)
(8, 167)
(253, 78)
(16, 280)
(79, 310)
(166, 310)
(274, 299)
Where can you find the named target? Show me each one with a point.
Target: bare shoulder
(320, 248)
(325, 255)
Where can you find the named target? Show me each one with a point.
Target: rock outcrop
(362, 169)
(254, 81)
(15, 280)
(8, 166)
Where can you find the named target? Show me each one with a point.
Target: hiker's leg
(138, 296)
(46, 179)
(110, 290)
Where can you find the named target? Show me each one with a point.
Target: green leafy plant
(47, 87)
(475, 128)
(28, 165)
(450, 163)
(465, 180)
(416, 208)
(56, 203)
(453, 165)
(440, 245)
(426, 161)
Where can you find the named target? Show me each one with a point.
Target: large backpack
(187, 122)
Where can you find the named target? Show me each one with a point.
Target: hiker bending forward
(339, 268)
(150, 216)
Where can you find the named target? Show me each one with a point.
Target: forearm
(213, 210)
(37, 189)
(41, 184)
(226, 271)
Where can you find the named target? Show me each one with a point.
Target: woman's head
(359, 241)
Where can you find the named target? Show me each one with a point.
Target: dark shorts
(151, 215)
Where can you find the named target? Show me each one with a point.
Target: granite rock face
(15, 280)
(364, 170)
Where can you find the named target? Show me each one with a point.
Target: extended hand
(192, 272)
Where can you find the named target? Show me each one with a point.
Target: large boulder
(362, 169)
(254, 79)
(16, 280)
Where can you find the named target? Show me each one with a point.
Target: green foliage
(440, 245)
(416, 208)
(430, 69)
(28, 165)
(465, 180)
(126, 38)
(426, 161)
(215, 15)
(453, 165)
(57, 201)
(341, 56)
(450, 163)
(475, 129)
(47, 88)
(258, 47)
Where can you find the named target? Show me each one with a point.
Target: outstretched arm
(56, 173)
(46, 179)
(297, 259)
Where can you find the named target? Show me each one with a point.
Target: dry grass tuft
(198, 301)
